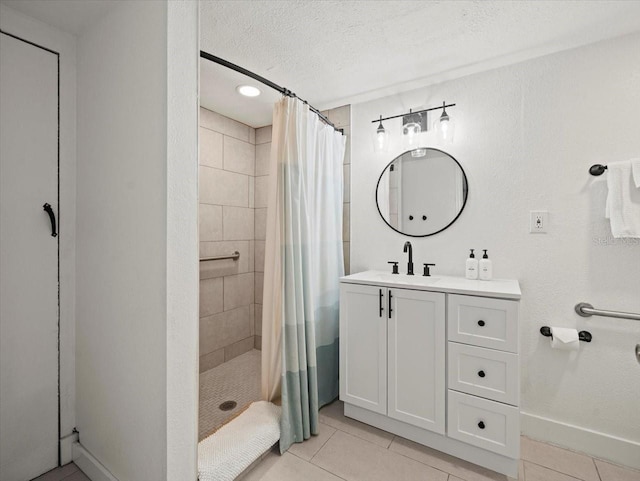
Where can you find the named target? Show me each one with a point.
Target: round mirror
(421, 192)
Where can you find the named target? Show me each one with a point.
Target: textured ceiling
(218, 93)
(335, 52)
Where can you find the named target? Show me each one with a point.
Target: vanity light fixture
(381, 138)
(248, 90)
(414, 123)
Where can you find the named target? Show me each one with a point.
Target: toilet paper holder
(582, 335)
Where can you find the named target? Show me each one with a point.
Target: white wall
(136, 257)
(526, 135)
(182, 240)
(15, 23)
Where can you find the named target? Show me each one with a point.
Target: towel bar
(597, 169)
(235, 256)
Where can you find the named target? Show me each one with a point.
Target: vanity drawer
(484, 372)
(483, 321)
(487, 424)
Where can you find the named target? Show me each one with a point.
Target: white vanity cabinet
(434, 360)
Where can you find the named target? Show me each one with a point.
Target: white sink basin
(502, 288)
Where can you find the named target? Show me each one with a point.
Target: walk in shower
(232, 196)
(235, 138)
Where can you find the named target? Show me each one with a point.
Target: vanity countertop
(500, 288)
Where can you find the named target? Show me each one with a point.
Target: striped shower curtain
(303, 262)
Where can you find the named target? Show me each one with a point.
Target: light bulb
(412, 129)
(445, 126)
(381, 138)
(248, 90)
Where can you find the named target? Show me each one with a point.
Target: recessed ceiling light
(248, 90)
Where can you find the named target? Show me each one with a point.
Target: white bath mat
(230, 450)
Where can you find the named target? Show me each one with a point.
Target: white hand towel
(635, 170)
(623, 200)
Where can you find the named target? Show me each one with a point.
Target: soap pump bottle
(486, 269)
(471, 270)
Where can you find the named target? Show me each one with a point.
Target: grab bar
(235, 256)
(586, 310)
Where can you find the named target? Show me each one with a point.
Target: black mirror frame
(466, 197)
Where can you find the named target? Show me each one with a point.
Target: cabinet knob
(481, 373)
(481, 323)
(481, 425)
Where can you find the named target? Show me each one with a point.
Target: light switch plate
(538, 220)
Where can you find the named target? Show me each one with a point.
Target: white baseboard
(66, 448)
(594, 443)
(90, 465)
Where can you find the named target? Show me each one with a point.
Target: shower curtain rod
(268, 83)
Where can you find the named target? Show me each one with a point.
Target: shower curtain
(303, 262)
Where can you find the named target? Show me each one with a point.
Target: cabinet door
(417, 358)
(363, 346)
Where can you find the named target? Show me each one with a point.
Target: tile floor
(349, 450)
(235, 380)
(68, 472)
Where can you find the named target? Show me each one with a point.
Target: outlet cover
(538, 221)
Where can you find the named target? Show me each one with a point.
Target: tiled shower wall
(226, 224)
(263, 152)
(234, 168)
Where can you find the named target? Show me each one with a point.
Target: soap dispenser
(486, 269)
(471, 270)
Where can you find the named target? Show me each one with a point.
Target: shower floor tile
(235, 380)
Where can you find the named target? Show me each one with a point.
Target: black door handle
(52, 218)
(381, 308)
(390, 310)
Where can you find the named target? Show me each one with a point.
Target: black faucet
(408, 248)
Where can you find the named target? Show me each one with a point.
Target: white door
(28, 260)
(363, 346)
(417, 358)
